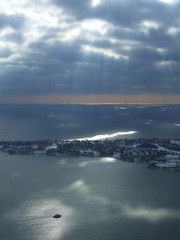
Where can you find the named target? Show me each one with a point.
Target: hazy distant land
(157, 153)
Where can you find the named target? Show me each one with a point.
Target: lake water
(99, 198)
(32, 122)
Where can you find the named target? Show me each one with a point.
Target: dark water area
(98, 198)
(32, 122)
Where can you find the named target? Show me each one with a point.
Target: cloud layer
(89, 47)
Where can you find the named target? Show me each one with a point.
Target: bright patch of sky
(164, 63)
(173, 30)
(95, 25)
(168, 1)
(95, 3)
(145, 26)
(106, 52)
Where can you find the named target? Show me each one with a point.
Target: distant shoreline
(157, 153)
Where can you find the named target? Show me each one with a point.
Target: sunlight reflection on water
(83, 189)
(101, 160)
(37, 216)
(106, 136)
(153, 215)
(108, 159)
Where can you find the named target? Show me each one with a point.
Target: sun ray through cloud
(95, 47)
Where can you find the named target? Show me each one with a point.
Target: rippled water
(99, 198)
(32, 122)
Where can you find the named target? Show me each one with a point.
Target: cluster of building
(25, 147)
(157, 153)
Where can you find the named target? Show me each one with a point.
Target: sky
(90, 51)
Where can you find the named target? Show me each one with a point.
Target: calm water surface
(99, 198)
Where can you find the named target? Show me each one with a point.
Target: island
(156, 153)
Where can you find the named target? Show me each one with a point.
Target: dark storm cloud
(70, 47)
(125, 12)
(16, 21)
(115, 11)
(78, 9)
(14, 37)
(4, 53)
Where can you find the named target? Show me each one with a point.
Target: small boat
(57, 216)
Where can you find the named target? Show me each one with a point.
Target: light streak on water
(106, 136)
(150, 214)
(37, 215)
(108, 160)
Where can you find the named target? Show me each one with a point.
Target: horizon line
(94, 99)
(111, 103)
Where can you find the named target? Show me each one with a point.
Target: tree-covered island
(157, 153)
